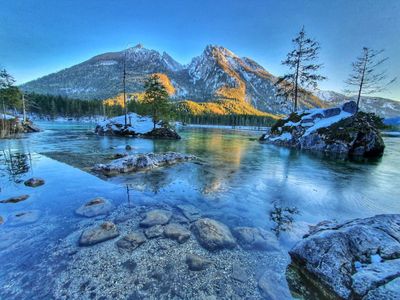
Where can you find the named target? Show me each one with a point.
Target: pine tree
(10, 95)
(303, 71)
(365, 77)
(156, 96)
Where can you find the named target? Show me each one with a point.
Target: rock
(128, 147)
(1, 220)
(116, 126)
(131, 241)
(213, 235)
(335, 131)
(197, 262)
(119, 155)
(98, 234)
(154, 231)
(34, 182)
(137, 162)
(341, 258)
(176, 232)
(190, 212)
(238, 273)
(350, 107)
(15, 199)
(273, 286)
(156, 217)
(23, 218)
(95, 207)
(255, 238)
(162, 133)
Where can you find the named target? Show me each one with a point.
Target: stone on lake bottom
(34, 182)
(252, 238)
(196, 262)
(176, 232)
(95, 207)
(156, 217)
(154, 231)
(213, 235)
(24, 217)
(131, 241)
(98, 234)
(15, 199)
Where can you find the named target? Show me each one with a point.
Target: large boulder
(98, 234)
(337, 131)
(95, 207)
(352, 260)
(137, 162)
(213, 235)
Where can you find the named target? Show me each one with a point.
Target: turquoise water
(237, 181)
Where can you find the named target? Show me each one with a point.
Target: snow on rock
(336, 130)
(116, 126)
(137, 162)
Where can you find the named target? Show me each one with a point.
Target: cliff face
(340, 131)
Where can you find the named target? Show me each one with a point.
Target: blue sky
(39, 37)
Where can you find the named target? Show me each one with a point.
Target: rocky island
(138, 126)
(339, 131)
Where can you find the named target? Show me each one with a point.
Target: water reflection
(15, 164)
(283, 218)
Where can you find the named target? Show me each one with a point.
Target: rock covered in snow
(354, 259)
(334, 131)
(139, 162)
(116, 126)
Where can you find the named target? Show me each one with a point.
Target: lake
(236, 181)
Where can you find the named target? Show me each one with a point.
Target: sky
(38, 37)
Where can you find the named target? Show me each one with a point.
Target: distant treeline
(53, 106)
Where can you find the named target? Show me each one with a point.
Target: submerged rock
(190, 212)
(176, 232)
(273, 286)
(197, 263)
(95, 207)
(154, 231)
(162, 133)
(137, 162)
(213, 235)
(34, 182)
(255, 238)
(98, 234)
(15, 199)
(334, 131)
(1, 220)
(131, 241)
(23, 218)
(156, 217)
(342, 259)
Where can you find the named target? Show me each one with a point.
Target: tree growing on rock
(303, 71)
(157, 99)
(366, 78)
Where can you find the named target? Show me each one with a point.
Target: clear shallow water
(239, 182)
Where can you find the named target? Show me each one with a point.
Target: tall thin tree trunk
(362, 82)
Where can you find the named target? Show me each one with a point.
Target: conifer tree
(302, 69)
(157, 99)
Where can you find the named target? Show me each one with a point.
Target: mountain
(217, 74)
(386, 108)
